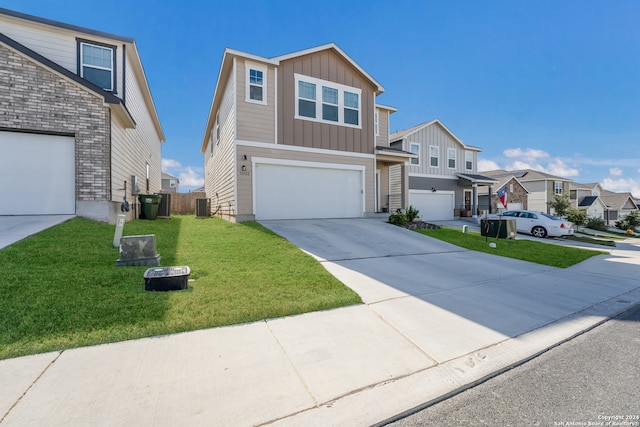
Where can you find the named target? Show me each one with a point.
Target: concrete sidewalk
(17, 227)
(415, 340)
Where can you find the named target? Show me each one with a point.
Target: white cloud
(615, 171)
(518, 164)
(170, 164)
(487, 165)
(622, 185)
(190, 177)
(529, 154)
(560, 168)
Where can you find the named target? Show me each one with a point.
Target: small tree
(560, 205)
(630, 221)
(577, 216)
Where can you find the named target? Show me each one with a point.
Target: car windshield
(555, 218)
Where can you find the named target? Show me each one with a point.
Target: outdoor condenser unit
(203, 208)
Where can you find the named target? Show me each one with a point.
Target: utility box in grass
(166, 278)
(498, 228)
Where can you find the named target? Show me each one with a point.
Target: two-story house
(170, 183)
(619, 205)
(79, 131)
(297, 136)
(542, 187)
(587, 197)
(443, 177)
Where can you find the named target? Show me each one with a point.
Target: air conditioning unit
(164, 208)
(203, 208)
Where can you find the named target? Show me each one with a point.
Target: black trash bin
(498, 228)
(150, 203)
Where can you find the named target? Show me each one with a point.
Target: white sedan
(538, 224)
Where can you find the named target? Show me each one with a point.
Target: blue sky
(551, 85)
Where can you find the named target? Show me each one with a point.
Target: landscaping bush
(577, 216)
(596, 224)
(398, 218)
(629, 222)
(412, 213)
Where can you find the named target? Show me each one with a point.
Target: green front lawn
(525, 250)
(60, 289)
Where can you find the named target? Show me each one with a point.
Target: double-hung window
(451, 158)
(434, 155)
(415, 149)
(557, 188)
(96, 64)
(468, 160)
(256, 84)
(327, 102)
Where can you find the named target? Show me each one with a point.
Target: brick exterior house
(43, 103)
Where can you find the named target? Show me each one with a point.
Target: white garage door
(286, 191)
(37, 173)
(433, 206)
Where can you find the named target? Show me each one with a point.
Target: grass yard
(60, 289)
(525, 250)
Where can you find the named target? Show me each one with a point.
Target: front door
(467, 199)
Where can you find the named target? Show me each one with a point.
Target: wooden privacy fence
(185, 203)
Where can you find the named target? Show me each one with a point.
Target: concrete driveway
(433, 291)
(18, 227)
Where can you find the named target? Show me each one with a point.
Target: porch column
(490, 198)
(474, 200)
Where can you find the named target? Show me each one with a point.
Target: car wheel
(539, 232)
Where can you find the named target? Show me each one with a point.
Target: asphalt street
(591, 380)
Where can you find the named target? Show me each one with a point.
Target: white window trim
(341, 107)
(111, 70)
(253, 66)
(557, 185)
(468, 153)
(376, 121)
(412, 144)
(172, 183)
(449, 151)
(437, 156)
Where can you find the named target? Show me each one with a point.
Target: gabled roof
(502, 181)
(402, 134)
(579, 186)
(617, 201)
(118, 106)
(132, 54)
(525, 175)
(227, 62)
(386, 107)
(169, 176)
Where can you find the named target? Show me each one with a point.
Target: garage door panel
(433, 206)
(297, 192)
(40, 170)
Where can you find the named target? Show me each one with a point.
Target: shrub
(596, 224)
(577, 216)
(412, 213)
(630, 221)
(398, 218)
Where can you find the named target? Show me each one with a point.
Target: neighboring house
(542, 187)
(77, 121)
(618, 205)
(516, 196)
(169, 183)
(587, 197)
(297, 136)
(443, 177)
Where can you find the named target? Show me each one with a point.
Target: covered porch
(470, 206)
(392, 179)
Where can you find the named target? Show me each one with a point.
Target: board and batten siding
(396, 193)
(220, 162)
(132, 149)
(256, 122)
(330, 66)
(245, 178)
(436, 135)
(383, 127)
(58, 44)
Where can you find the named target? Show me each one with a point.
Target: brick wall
(33, 98)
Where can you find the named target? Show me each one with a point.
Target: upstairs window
(96, 65)
(256, 84)
(434, 154)
(468, 160)
(451, 158)
(327, 102)
(376, 122)
(557, 188)
(415, 149)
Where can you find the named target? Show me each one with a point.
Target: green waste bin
(150, 203)
(498, 228)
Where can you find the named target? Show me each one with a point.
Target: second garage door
(307, 190)
(433, 206)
